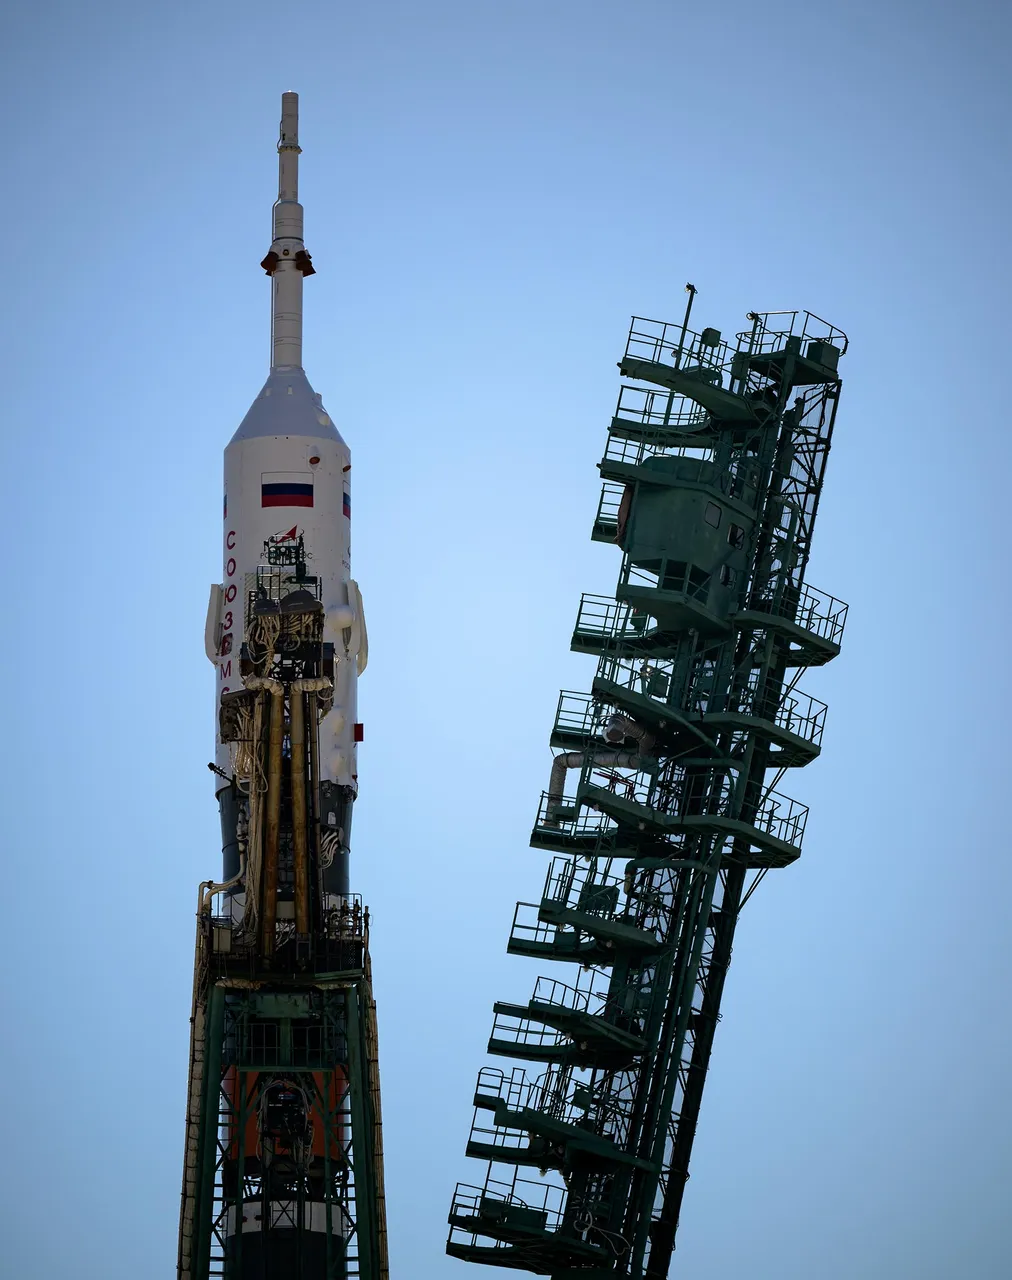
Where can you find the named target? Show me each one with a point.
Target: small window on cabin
(673, 578)
(736, 536)
(699, 582)
(727, 576)
(712, 514)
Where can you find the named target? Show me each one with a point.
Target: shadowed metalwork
(664, 808)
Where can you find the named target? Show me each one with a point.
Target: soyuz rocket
(283, 1155)
(287, 515)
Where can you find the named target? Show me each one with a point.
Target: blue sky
(491, 189)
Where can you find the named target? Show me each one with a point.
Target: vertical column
(286, 318)
(299, 811)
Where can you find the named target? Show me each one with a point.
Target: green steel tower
(662, 808)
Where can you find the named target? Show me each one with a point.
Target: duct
(208, 888)
(274, 687)
(615, 730)
(574, 759)
(255, 821)
(618, 727)
(315, 684)
(297, 714)
(306, 820)
(269, 885)
(313, 747)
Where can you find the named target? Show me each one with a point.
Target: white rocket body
(288, 476)
(288, 442)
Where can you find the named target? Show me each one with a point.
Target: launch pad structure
(663, 809)
(663, 813)
(283, 1158)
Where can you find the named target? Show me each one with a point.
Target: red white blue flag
(286, 489)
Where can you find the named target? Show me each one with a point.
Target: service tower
(283, 1166)
(663, 807)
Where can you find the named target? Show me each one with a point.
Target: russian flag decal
(347, 504)
(286, 489)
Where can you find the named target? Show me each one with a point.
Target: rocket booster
(287, 545)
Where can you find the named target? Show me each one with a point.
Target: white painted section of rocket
(288, 471)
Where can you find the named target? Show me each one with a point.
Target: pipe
(297, 716)
(255, 821)
(312, 686)
(618, 727)
(313, 744)
(572, 760)
(208, 888)
(269, 882)
(262, 686)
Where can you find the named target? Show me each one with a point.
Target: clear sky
(491, 189)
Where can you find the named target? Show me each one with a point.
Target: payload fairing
(283, 1157)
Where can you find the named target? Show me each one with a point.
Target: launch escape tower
(283, 1157)
(662, 807)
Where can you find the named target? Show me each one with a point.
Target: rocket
(283, 1156)
(287, 530)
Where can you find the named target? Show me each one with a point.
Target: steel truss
(662, 801)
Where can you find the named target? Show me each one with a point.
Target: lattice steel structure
(283, 1159)
(663, 808)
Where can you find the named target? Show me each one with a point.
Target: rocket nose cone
(287, 406)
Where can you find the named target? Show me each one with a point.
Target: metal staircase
(663, 808)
